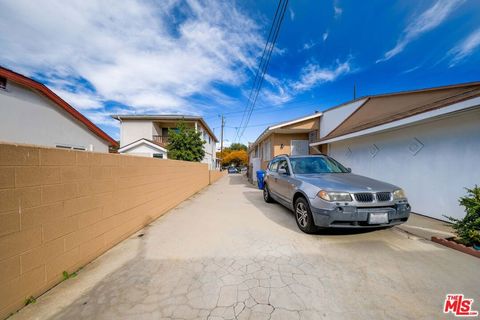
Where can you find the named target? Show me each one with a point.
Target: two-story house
(147, 135)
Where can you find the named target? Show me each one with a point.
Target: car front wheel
(303, 216)
(266, 194)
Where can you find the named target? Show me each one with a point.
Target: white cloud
(277, 92)
(313, 75)
(412, 69)
(309, 45)
(151, 56)
(465, 48)
(337, 10)
(292, 14)
(325, 35)
(427, 21)
(81, 100)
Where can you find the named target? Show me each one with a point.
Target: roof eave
(448, 110)
(120, 117)
(41, 88)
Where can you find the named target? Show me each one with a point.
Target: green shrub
(468, 228)
(185, 143)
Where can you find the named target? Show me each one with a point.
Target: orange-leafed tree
(235, 158)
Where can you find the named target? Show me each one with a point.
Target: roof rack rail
(282, 155)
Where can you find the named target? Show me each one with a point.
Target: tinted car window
(283, 164)
(320, 164)
(273, 165)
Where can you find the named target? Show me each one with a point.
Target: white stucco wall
(209, 147)
(29, 117)
(435, 177)
(256, 165)
(131, 131)
(330, 119)
(144, 150)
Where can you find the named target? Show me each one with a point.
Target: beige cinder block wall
(60, 209)
(215, 175)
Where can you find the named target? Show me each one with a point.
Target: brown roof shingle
(378, 110)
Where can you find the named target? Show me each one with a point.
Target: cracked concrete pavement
(225, 254)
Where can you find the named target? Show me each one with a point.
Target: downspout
(120, 119)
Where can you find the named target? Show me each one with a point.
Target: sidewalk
(425, 227)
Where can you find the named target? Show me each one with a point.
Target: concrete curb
(457, 246)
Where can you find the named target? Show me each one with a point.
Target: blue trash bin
(260, 176)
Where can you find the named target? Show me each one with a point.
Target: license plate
(378, 218)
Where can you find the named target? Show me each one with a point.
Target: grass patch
(30, 300)
(67, 275)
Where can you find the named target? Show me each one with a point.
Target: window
(209, 140)
(158, 155)
(267, 154)
(3, 83)
(299, 147)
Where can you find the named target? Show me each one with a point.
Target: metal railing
(160, 139)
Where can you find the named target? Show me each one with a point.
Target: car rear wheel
(303, 216)
(266, 194)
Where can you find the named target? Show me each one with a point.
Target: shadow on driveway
(286, 218)
(240, 179)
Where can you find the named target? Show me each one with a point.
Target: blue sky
(200, 57)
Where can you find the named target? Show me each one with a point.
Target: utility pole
(221, 140)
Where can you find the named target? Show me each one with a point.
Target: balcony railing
(163, 140)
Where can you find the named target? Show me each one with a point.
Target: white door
(299, 147)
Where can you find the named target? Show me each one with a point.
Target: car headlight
(334, 196)
(399, 194)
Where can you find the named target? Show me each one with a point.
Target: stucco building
(289, 137)
(147, 135)
(33, 114)
(426, 141)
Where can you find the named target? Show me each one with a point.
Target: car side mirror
(349, 170)
(282, 171)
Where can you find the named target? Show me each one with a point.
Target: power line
(261, 61)
(277, 31)
(269, 107)
(263, 65)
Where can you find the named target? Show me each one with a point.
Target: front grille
(384, 196)
(364, 197)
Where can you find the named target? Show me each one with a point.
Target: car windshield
(320, 164)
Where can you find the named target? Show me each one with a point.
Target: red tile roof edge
(35, 85)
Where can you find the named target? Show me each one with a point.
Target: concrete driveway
(225, 254)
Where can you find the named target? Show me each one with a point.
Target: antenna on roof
(354, 91)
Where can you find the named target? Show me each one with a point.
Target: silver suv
(323, 193)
